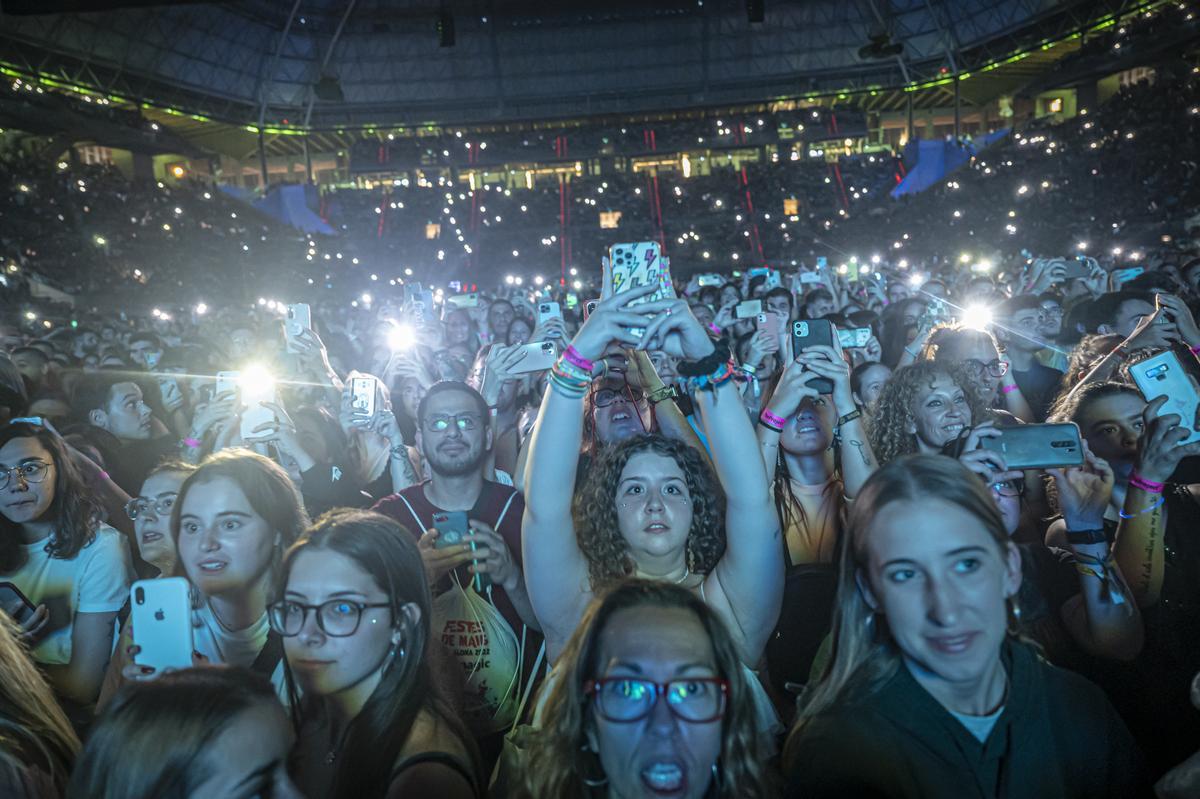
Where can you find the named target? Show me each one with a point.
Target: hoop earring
(590, 782)
(716, 774)
(397, 652)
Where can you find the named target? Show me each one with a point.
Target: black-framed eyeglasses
(337, 618)
(31, 472)
(1009, 488)
(603, 397)
(995, 368)
(139, 505)
(697, 700)
(441, 422)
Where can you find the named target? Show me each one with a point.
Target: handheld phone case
(161, 614)
(1038, 446)
(639, 264)
(809, 333)
(1164, 374)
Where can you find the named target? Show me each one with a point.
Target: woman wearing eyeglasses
(929, 692)
(231, 521)
(990, 373)
(1073, 601)
(652, 702)
(371, 719)
(72, 569)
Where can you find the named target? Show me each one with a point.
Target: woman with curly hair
(651, 507)
(991, 374)
(928, 688)
(923, 406)
(652, 702)
(74, 570)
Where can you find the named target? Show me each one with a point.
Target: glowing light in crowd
(201, 309)
(257, 384)
(977, 317)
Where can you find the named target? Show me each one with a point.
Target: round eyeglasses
(337, 618)
(139, 505)
(697, 700)
(32, 472)
(442, 422)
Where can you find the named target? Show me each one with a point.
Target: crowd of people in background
(585, 538)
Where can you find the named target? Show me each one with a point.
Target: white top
(219, 644)
(94, 581)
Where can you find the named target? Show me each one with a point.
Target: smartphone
(255, 414)
(452, 528)
(463, 300)
(548, 310)
(774, 280)
(711, 280)
(1123, 276)
(809, 277)
(822, 262)
(1077, 269)
(588, 307)
(638, 264)
(770, 322)
(15, 604)
(809, 333)
(362, 394)
(227, 383)
(854, 338)
(536, 357)
(161, 615)
(167, 386)
(748, 309)
(1165, 374)
(299, 319)
(852, 271)
(1038, 446)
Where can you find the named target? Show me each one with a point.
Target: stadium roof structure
(325, 67)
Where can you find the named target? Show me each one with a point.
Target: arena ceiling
(328, 65)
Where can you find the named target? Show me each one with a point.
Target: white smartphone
(548, 310)
(809, 277)
(167, 386)
(1164, 374)
(227, 383)
(462, 300)
(255, 414)
(161, 614)
(748, 309)
(362, 394)
(536, 357)
(299, 319)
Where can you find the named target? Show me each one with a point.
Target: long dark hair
(75, 511)
(168, 725)
(388, 552)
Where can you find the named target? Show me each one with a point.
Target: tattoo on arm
(862, 453)
(1148, 552)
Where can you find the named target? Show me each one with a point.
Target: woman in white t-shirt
(55, 551)
(232, 521)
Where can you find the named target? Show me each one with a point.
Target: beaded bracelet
(572, 356)
(1137, 481)
(771, 421)
(723, 374)
(568, 369)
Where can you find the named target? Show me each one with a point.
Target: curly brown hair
(594, 509)
(888, 426)
(559, 760)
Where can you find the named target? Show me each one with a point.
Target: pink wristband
(1194, 350)
(712, 327)
(1137, 481)
(1009, 389)
(573, 357)
(771, 420)
(192, 442)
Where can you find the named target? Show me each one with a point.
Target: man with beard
(454, 436)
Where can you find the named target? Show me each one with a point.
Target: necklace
(687, 572)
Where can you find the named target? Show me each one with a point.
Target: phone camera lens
(139, 595)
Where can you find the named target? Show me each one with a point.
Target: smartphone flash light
(257, 384)
(401, 337)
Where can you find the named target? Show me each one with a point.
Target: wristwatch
(660, 394)
(1087, 536)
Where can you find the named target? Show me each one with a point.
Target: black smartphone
(452, 529)
(810, 333)
(15, 604)
(1038, 446)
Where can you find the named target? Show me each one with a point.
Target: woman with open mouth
(929, 692)
(652, 702)
(232, 520)
(71, 571)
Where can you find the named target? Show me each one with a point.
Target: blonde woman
(37, 745)
(927, 693)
